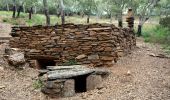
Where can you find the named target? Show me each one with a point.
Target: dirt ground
(137, 76)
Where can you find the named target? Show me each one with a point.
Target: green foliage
(158, 34)
(38, 84)
(70, 62)
(12, 21)
(163, 8)
(165, 22)
(37, 19)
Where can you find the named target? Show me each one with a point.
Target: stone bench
(65, 81)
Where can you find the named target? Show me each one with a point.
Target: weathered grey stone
(53, 88)
(63, 74)
(16, 59)
(93, 81)
(65, 67)
(43, 71)
(69, 88)
(102, 72)
(11, 51)
(59, 88)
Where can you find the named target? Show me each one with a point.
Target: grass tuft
(38, 84)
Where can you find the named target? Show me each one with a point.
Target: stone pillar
(69, 88)
(53, 88)
(93, 81)
(130, 19)
(59, 88)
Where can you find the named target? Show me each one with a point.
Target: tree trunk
(23, 6)
(142, 20)
(19, 10)
(120, 22)
(88, 18)
(35, 9)
(82, 15)
(7, 7)
(62, 16)
(30, 13)
(62, 12)
(139, 32)
(111, 18)
(14, 11)
(58, 11)
(98, 17)
(46, 12)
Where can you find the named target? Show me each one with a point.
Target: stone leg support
(69, 88)
(59, 88)
(93, 81)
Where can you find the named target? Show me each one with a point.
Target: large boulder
(17, 59)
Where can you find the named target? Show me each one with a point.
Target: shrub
(70, 62)
(165, 22)
(5, 20)
(159, 34)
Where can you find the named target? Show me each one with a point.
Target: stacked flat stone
(130, 21)
(94, 44)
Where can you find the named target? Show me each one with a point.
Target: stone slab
(65, 67)
(64, 74)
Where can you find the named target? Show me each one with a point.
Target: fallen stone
(1, 68)
(81, 56)
(100, 87)
(152, 54)
(2, 86)
(158, 55)
(16, 59)
(102, 72)
(11, 51)
(162, 56)
(43, 71)
(100, 92)
(128, 73)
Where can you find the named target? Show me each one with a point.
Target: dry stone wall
(94, 44)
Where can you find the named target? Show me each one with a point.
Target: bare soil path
(5, 29)
(137, 76)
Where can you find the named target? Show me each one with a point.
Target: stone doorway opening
(43, 63)
(80, 84)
